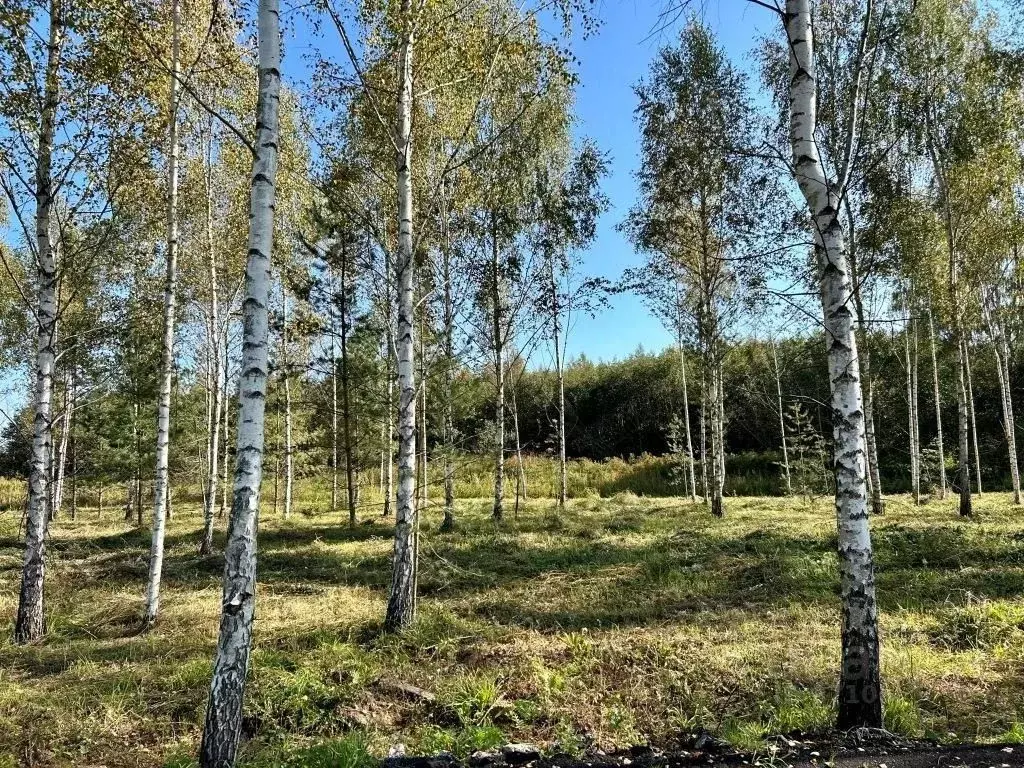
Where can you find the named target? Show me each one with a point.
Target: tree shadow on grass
(569, 581)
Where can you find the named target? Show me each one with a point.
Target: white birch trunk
(938, 403)
(963, 472)
(916, 353)
(217, 384)
(915, 470)
(448, 523)
(782, 421)
(974, 420)
(289, 474)
(61, 454)
(556, 336)
(703, 434)
(499, 377)
(717, 478)
(225, 487)
(163, 425)
(401, 610)
(334, 399)
(224, 708)
(860, 701)
(30, 623)
(1002, 354)
(686, 423)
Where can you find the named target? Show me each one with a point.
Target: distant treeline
(624, 408)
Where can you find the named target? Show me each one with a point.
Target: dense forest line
(619, 409)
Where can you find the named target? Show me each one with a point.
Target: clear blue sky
(611, 63)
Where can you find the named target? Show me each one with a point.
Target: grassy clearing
(625, 620)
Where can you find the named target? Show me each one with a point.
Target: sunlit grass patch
(624, 619)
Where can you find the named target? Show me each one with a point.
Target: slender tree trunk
(703, 434)
(227, 418)
(874, 474)
(963, 448)
(717, 479)
(30, 624)
(74, 444)
(389, 440)
(916, 353)
(860, 700)
(391, 356)
(448, 523)
(163, 425)
(1002, 354)
(974, 421)
(61, 454)
(782, 420)
(334, 400)
(721, 426)
(938, 403)
(224, 709)
(499, 376)
(874, 478)
(133, 502)
(401, 610)
(423, 463)
(556, 336)
(289, 474)
(686, 423)
(520, 468)
(915, 470)
(217, 384)
(346, 383)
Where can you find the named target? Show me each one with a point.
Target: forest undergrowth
(623, 620)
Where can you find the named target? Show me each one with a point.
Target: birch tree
(70, 98)
(703, 198)
(569, 206)
(224, 708)
(160, 483)
(860, 698)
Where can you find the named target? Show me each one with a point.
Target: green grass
(625, 620)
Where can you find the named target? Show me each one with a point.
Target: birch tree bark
(497, 342)
(289, 473)
(686, 424)
(227, 423)
(60, 455)
(556, 337)
(974, 421)
(334, 398)
(224, 708)
(938, 403)
(1002, 354)
(874, 476)
(401, 610)
(217, 384)
(860, 701)
(915, 394)
(163, 425)
(717, 476)
(915, 470)
(963, 462)
(30, 625)
(448, 319)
